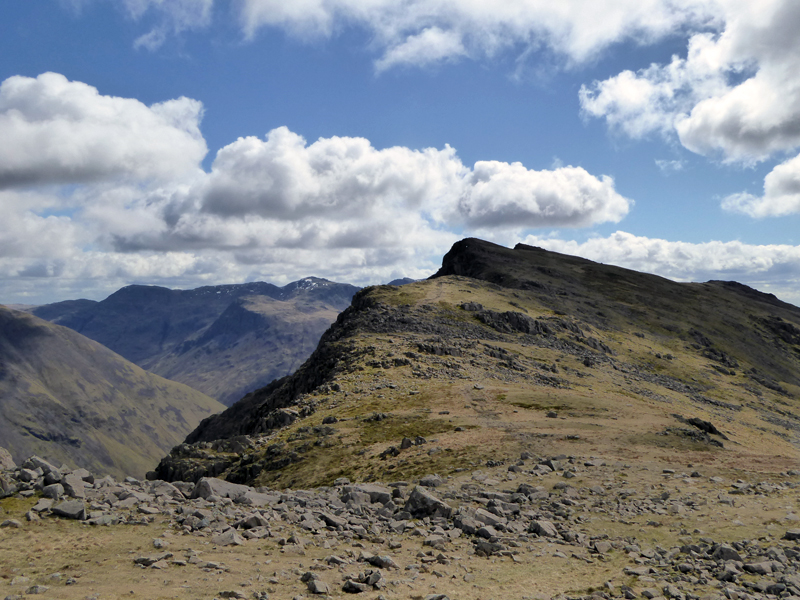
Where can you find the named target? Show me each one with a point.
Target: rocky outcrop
(6, 461)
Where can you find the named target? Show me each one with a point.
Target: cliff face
(507, 349)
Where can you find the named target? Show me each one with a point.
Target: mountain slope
(507, 351)
(69, 399)
(223, 340)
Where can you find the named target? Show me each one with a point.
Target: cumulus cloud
(341, 178)
(139, 206)
(341, 193)
(60, 131)
(781, 194)
(509, 195)
(772, 268)
(735, 96)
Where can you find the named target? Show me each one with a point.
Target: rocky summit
(523, 425)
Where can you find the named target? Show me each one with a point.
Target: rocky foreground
(565, 527)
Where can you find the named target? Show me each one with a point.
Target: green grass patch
(395, 428)
(533, 405)
(675, 442)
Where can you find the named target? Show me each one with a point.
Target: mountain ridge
(529, 330)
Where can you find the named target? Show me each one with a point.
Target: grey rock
(332, 520)
(253, 498)
(37, 589)
(36, 462)
(27, 475)
(602, 547)
(85, 475)
(7, 487)
(164, 488)
(543, 529)
(316, 586)
(54, 491)
(6, 461)
(147, 561)
(725, 552)
(73, 486)
(760, 568)
(228, 538)
(43, 504)
(211, 486)
(354, 587)
(422, 503)
(376, 493)
(431, 481)
(12, 523)
(71, 509)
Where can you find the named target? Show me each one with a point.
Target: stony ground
(542, 527)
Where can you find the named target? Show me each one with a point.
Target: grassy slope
(666, 341)
(69, 399)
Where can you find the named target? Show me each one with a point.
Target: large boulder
(724, 553)
(422, 503)
(543, 529)
(211, 486)
(73, 486)
(7, 486)
(71, 509)
(377, 493)
(36, 462)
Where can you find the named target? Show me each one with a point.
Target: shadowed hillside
(69, 399)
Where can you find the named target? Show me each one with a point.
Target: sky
(198, 142)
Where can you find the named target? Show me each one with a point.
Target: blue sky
(195, 142)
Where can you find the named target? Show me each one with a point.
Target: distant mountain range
(69, 399)
(222, 340)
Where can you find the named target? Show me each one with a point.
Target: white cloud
(174, 17)
(735, 96)
(781, 194)
(771, 268)
(420, 32)
(60, 131)
(339, 179)
(431, 45)
(509, 195)
(670, 166)
(140, 207)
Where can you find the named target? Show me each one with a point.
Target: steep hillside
(553, 354)
(69, 399)
(256, 336)
(223, 341)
